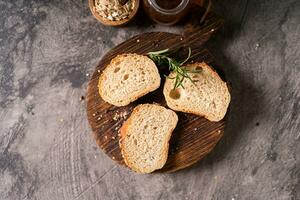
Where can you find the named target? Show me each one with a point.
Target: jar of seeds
(113, 10)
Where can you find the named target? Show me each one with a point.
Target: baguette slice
(145, 137)
(128, 77)
(208, 96)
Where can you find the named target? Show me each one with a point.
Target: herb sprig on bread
(162, 58)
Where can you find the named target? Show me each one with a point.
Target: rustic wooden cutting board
(194, 136)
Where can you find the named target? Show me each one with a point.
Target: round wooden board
(194, 136)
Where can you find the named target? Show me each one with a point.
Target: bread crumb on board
(118, 116)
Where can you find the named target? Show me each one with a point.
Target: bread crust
(124, 132)
(103, 77)
(182, 109)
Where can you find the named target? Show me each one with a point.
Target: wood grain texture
(194, 136)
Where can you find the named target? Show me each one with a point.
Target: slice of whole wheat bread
(208, 96)
(128, 77)
(145, 137)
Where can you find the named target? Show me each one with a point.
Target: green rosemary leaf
(161, 58)
(189, 55)
(158, 52)
(180, 83)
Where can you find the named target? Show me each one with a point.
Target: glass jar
(166, 12)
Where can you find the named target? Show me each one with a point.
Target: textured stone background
(46, 149)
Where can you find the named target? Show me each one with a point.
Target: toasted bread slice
(208, 96)
(145, 137)
(128, 77)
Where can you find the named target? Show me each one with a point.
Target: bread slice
(208, 96)
(145, 137)
(128, 77)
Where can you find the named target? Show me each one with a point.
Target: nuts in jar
(112, 9)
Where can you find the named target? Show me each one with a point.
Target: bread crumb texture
(145, 137)
(208, 96)
(128, 77)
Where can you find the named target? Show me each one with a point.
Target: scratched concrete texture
(49, 48)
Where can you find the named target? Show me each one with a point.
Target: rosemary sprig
(162, 58)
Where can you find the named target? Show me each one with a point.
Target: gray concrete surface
(47, 49)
